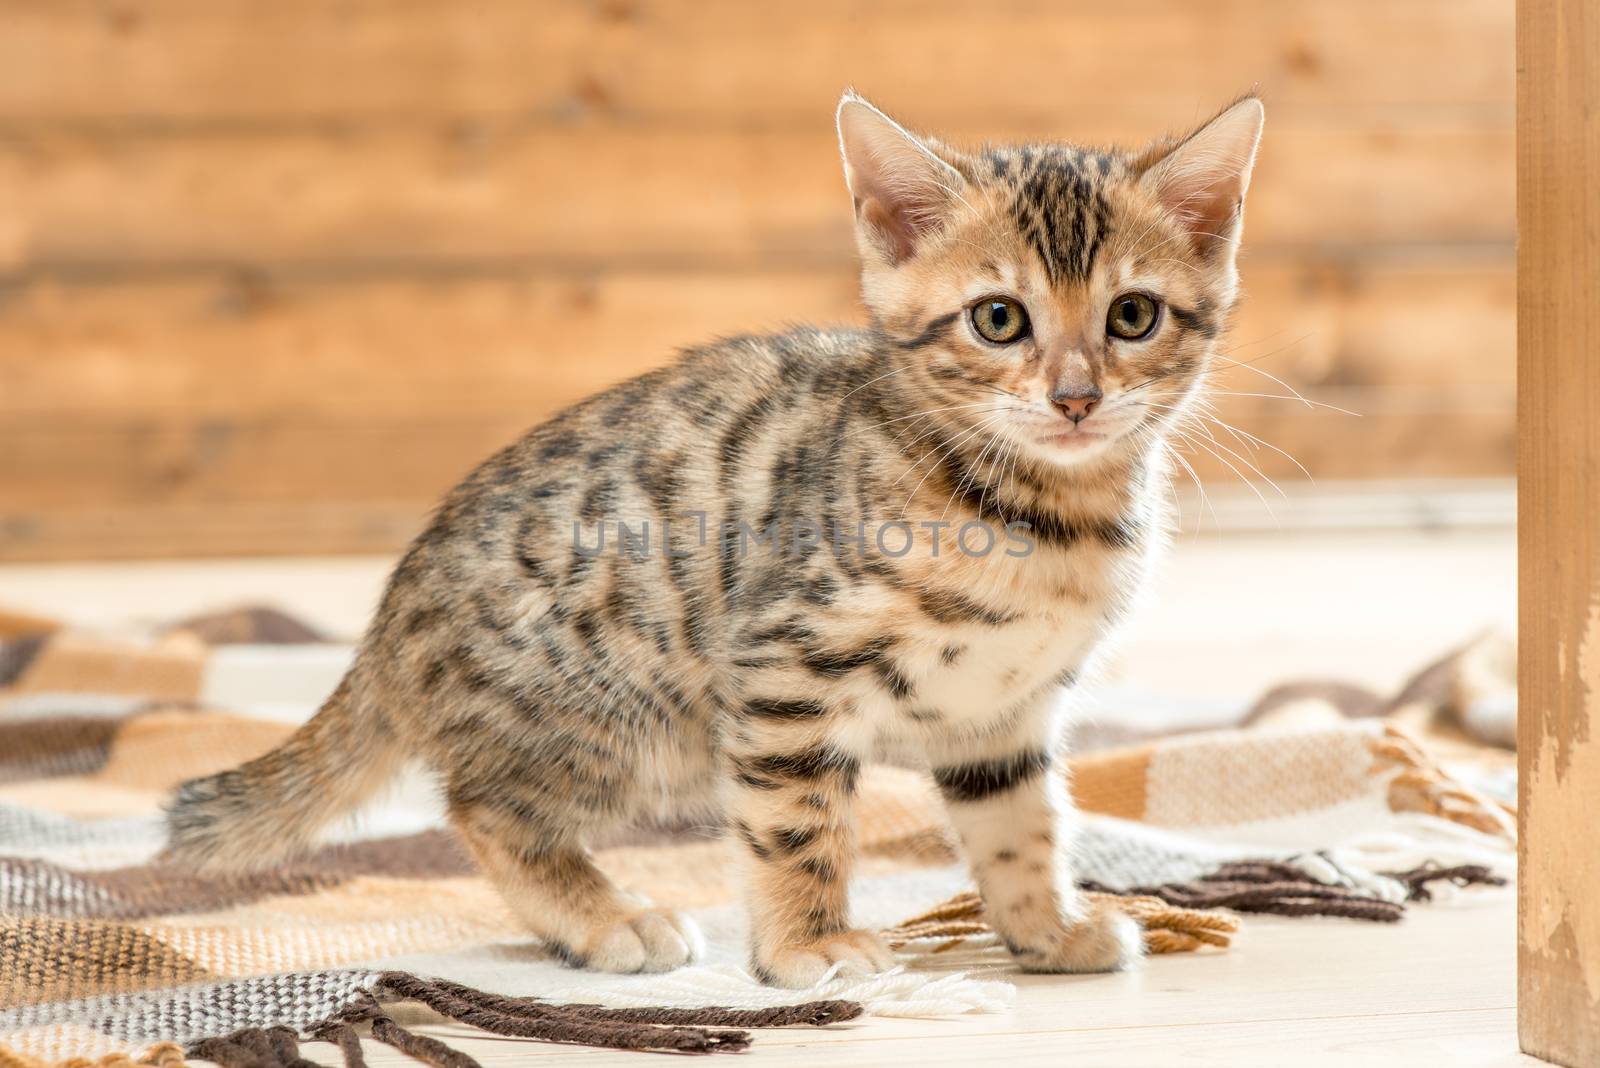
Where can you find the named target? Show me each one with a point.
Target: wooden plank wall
(1558, 743)
(273, 275)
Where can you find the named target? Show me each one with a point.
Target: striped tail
(272, 808)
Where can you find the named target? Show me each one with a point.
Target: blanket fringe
(1280, 888)
(1182, 917)
(1167, 928)
(1283, 888)
(671, 1030)
(1419, 784)
(1417, 879)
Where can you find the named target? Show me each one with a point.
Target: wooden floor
(1437, 989)
(1234, 613)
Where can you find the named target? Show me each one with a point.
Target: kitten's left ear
(903, 190)
(1202, 180)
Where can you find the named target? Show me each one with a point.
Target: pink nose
(1076, 404)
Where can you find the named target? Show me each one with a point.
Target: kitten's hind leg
(555, 889)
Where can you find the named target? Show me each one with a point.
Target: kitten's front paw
(858, 953)
(655, 940)
(1107, 940)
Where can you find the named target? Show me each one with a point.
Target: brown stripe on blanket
(1343, 699)
(16, 653)
(39, 888)
(48, 748)
(249, 625)
(72, 662)
(157, 749)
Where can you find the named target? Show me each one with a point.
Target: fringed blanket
(106, 954)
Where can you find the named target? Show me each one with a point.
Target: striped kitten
(725, 585)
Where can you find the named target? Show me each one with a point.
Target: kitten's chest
(1059, 615)
(995, 669)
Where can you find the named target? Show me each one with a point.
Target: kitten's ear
(1203, 178)
(903, 190)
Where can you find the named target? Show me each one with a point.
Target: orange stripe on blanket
(69, 662)
(1114, 782)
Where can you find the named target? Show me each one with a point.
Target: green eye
(1132, 316)
(1000, 320)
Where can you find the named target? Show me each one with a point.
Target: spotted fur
(560, 689)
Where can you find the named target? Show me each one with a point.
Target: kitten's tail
(271, 809)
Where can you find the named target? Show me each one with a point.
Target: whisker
(920, 459)
(869, 382)
(1214, 390)
(944, 454)
(1249, 366)
(1244, 435)
(1205, 501)
(1148, 435)
(915, 415)
(994, 389)
(1011, 475)
(1253, 342)
(994, 438)
(1202, 446)
(934, 429)
(996, 485)
(1205, 411)
(1308, 402)
(1240, 457)
(1224, 461)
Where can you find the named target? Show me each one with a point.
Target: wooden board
(185, 531)
(219, 345)
(731, 61)
(183, 486)
(276, 457)
(608, 193)
(168, 409)
(263, 266)
(1558, 163)
(223, 345)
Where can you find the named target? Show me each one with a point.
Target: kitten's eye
(1000, 320)
(1131, 317)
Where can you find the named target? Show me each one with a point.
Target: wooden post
(1558, 376)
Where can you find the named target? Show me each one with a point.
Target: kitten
(728, 583)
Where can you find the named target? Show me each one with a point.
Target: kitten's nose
(1076, 404)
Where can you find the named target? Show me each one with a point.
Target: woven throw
(104, 953)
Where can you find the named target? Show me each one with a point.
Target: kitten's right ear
(902, 190)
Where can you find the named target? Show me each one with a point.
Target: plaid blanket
(106, 953)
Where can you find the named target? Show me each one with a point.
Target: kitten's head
(1066, 299)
